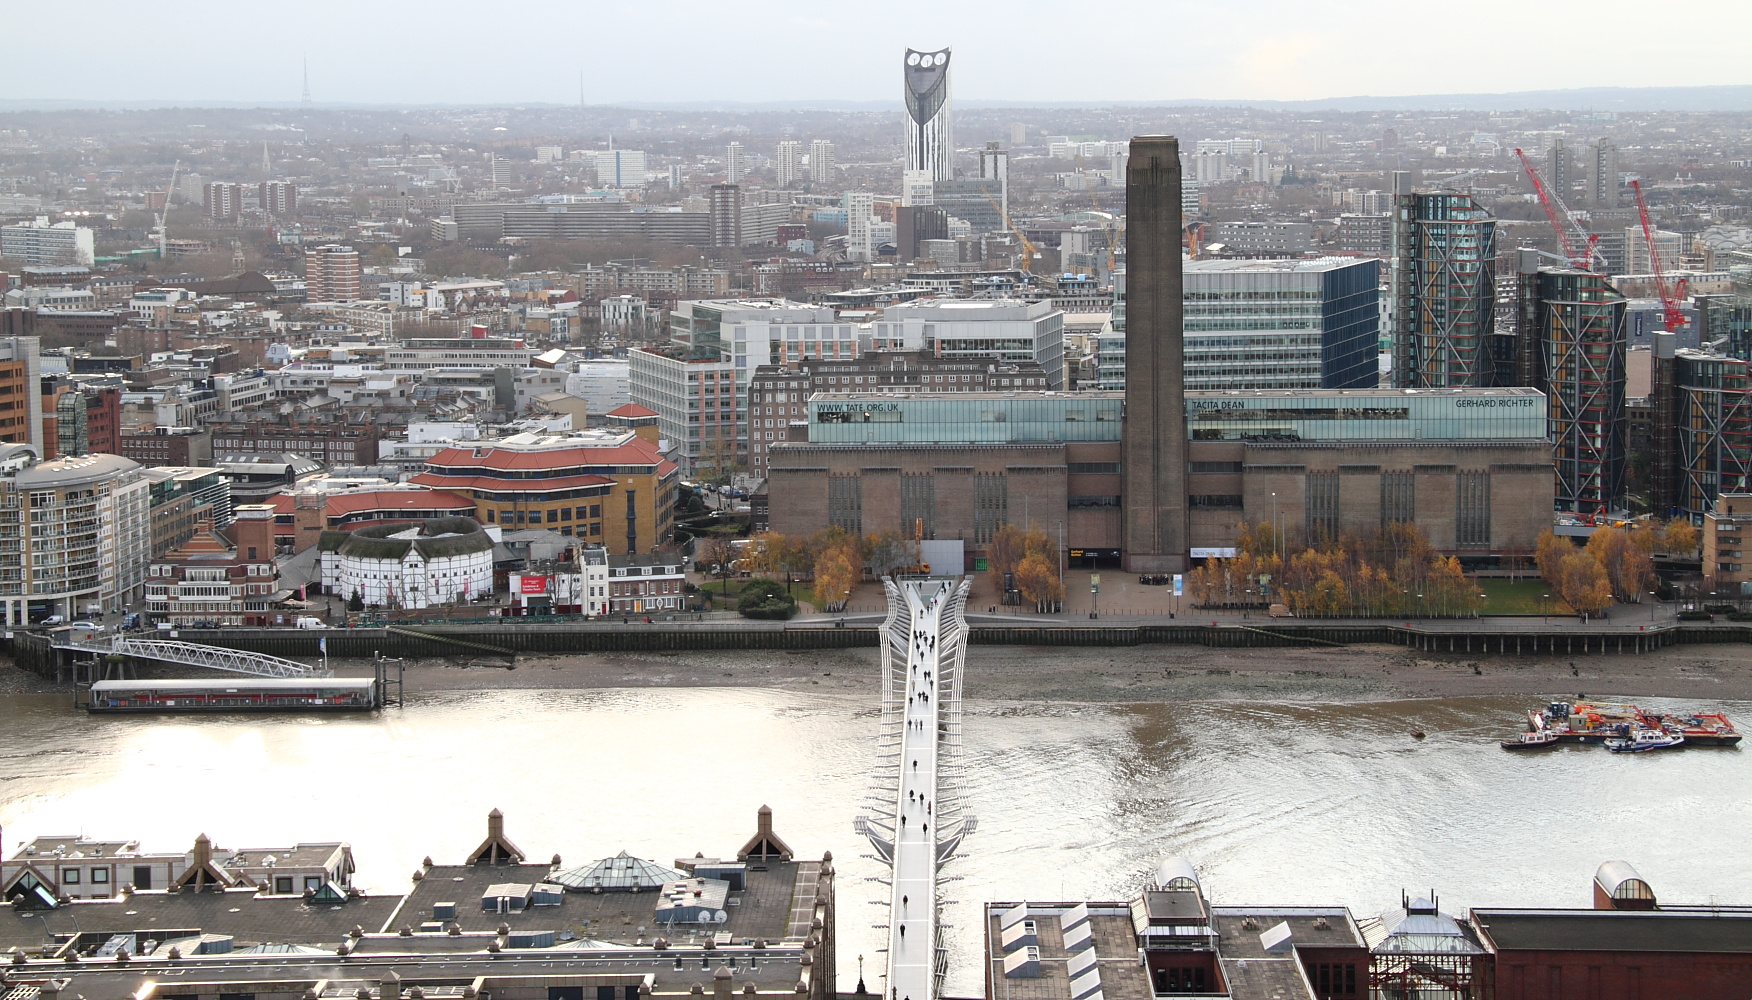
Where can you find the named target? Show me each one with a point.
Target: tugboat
(1642, 740)
(1540, 740)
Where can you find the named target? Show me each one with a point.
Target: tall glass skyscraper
(930, 141)
(1443, 284)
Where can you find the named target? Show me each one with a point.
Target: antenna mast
(307, 83)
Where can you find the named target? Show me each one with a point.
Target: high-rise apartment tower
(930, 140)
(1443, 288)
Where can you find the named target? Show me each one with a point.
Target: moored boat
(1642, 740)
(1541, 740)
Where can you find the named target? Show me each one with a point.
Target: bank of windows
(566, 519)
(1175, 979)
(1210, 468)
(1322, 505)
(991, 505)
(1472, 510)
(918, 503)
(1092, 468)
(1214, 501)
(1089, 502)
(1398, 497)
(845, 503)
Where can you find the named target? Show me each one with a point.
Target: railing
(196, 655)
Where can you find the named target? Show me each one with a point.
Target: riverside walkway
(916, 819)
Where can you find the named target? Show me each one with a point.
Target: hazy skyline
(446, 52)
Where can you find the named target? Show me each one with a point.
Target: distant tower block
(1153, 440)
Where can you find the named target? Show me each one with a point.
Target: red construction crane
(1672, 317)
(1576, 242)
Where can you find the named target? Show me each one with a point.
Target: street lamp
(1276, 548)
(1653, 604)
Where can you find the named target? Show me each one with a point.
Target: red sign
(534, 585)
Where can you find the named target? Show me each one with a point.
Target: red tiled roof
(635, 452)
(631, 410)
(443, 482)
(347, 503)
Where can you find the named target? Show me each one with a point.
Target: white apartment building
(620, 168)
(698, 405)
(916, 188)
(460, 352)
(1008, 329)
(789, 162)
(735, 163)
(602, 385)
(860, 212)
(40, 243)
(75, 534)
(820, 162)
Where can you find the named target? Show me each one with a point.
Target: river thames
(1275, 803)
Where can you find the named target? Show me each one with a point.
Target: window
(553, 516)
(283, 885)
(1398, 497)
(100, 876)
(1321, 505)
(845, 503)
(565, 514)
(312, 883)
(69, 876)
(1214, 468)
(1472, 510)
(990, 505)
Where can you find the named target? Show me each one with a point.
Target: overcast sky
(503, 51)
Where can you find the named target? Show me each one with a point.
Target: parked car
(131, 620)
(306, 621)
(53, 620)
(88, 626)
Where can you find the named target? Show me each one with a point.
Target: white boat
(1642, 740)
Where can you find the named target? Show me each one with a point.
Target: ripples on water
(1296, 804)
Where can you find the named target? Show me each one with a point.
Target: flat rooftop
(1712, 931)
(250, 918)
(1301, 265)
(760, 911)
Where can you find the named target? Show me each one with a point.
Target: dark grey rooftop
(762, 910)
(1706, 931)
(246, 916)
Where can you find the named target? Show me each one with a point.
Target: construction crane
(1577, 243)
(165, 210)
(1028, 250)
(1109, 230)
(1672, 317)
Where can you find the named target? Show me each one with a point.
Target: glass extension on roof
(621, 873)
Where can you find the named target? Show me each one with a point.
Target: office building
(978, 201)
(915, 187)
(332, 274)
(1153, 446)
(860, 219)
(40, 243)
(821, 162)
(1702, 429)
(1472, 467)
(1262, 239)
(420, 354)
(222, 201)
(930, 137)
(913, 225)
(606, 484)
(778, 395)
(493, 221)
(1368, 235)
(1003, 330)
(278, 198)
(88, 535)
(994, 165)
(224, 576)
(1282, 324)
(1636, 251)
(735, 167)
(620, 168)
(1442, 285)
(1571, 346)
(788, 162)
(1561, 171)
(181, 497)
